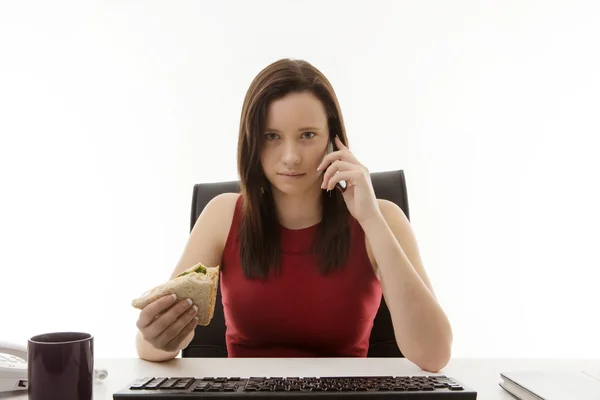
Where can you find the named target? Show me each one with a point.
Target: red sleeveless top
(299, 313)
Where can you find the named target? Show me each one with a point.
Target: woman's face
(294, 143)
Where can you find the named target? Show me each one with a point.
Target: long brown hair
(260, 249)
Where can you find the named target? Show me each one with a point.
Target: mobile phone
(341, 185)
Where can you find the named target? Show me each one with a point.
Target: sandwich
(197, 283)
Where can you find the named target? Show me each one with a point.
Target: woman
(303, 262)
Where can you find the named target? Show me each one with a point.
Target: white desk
(481, 375)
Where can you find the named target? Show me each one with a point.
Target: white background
(111, 111)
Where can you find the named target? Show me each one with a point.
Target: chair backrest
(209, 341)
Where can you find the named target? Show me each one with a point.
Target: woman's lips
(292, 175)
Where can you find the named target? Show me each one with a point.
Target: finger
(153, 309)
(349, 176)
(168, 318)
(176, 327)
(339, 144)
(342, 155)
(177, 340)
(334, 168)
(338, 155)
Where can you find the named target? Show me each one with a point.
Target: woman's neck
(298, 211)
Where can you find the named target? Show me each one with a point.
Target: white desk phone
(13, 367)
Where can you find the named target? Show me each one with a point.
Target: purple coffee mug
(60, 365)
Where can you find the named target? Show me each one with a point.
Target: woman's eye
(271, 136)
(309, 134)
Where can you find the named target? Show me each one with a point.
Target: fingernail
(196, 318)
(189, 301)
(195, 308)
(174, 296)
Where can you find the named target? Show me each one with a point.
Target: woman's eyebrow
(308, 128)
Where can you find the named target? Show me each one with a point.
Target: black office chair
(209, 341)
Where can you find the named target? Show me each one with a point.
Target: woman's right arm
(161, 339)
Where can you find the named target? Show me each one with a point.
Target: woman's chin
(296, 189)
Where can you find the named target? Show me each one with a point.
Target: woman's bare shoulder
(220, 210)
(224, 201)
(208, 237)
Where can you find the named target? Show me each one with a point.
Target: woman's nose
(291, 154)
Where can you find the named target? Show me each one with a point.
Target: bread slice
(198, 283)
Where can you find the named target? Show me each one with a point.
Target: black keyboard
(258, 388)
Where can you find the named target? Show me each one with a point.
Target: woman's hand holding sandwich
(168, 324)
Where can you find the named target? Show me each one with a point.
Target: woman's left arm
(421, 327)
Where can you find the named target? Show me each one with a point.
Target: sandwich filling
(198, 268)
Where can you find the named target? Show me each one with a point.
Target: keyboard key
(140, 383)
(184, 383)
(201, 386)
(168, 384)
(155, 383)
